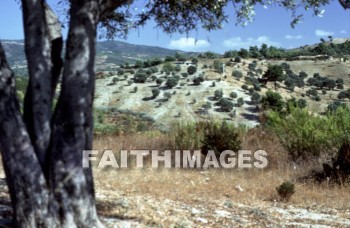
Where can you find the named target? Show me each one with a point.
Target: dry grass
(190, 186)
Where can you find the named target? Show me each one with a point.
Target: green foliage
(168, 67)
(218, 66)
(244, 87)
(302, 74)
(159, 81)
(177, 68)
(140, 77)
(286, 190)
(237, 74)
(273, 101)
(233, 95)
(294, 103)
(218, 94)
(155, 92)
(305, 135)
(344, 94)
(198, 80)
(167, 95)
(207, 105)
(238, 59)
(169, 59)
(332, 107)
(240, 102)
(171, 82)
(274, 73)
(220, 137)
(21, 84)
(311, 93)
(225, 105)
(191, 70)
(255, 97)
(184, 136)
(120, 72)
(243, 53)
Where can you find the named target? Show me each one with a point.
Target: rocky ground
(147, 211)
(128, 206)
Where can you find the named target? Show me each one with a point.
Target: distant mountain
(109, 53)
(118, 52)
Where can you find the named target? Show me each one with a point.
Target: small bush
(225, 105)
(155, 93)
(198, 80)
(286, 190)
(171, 82)
(220, 137)
(272, 101)
(191, 70)
(218, 94)
(304, 135)
(140, 77)
(237, 74)
(233, 95)
(240, 102)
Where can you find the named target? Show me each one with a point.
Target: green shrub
(159, 81)
(218, 94)
(286, 190)
(171, 82)
(168, 67)
(198, 80)
(220, 137)
(237, 74)
(240, 102)
(140, 77)
(255, 97)
(233, 95)
(237, 59)
(184, 74)
(302, 134)
(167, 95)
(225, 105)
(191, 70)
(273, 101)
(155, 93)
(184, 137)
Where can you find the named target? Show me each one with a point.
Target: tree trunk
(28, 190)
(42, 153)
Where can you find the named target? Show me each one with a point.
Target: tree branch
(108, 6)
(26, 182)
(38, 100)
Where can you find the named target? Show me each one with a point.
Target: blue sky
(271, 26)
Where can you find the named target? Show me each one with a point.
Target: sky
(271, 26)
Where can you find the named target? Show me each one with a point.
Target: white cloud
(238, 42)
(343, 32)
(291, 37)
(188, 44)
(320, 32)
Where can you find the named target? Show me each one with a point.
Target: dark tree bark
(37, 105)
(73, 121)
(42, 153)
(28, 189)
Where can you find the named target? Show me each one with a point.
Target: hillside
(110, 54)
(188, 101)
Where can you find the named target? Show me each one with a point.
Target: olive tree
(42, 147)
